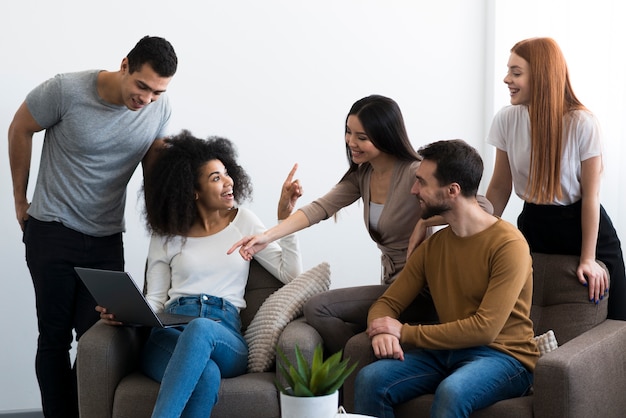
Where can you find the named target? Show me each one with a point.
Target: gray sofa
(584, 377)
(109, 384)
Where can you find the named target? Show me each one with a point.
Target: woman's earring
(196, 196)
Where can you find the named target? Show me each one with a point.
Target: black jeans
(63, 303)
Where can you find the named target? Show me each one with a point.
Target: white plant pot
(309, 407)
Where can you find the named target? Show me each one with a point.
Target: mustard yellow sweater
(481, 286)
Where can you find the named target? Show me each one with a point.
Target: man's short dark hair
(457, 162)
(155, 51)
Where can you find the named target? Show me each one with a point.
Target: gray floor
(21, 414)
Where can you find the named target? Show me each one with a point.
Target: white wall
(278, 77)
(592, 36)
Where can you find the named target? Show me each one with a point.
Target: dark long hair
(384, 125)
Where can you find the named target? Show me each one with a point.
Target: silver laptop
(118, 292)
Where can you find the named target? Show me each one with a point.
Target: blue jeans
(63, 303)
(190, 360)
(462, 380)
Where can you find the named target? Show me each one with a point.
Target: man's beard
(429, 211)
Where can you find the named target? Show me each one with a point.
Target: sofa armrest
(301, 333)
(358, 349)
(587, 375)
(105, 354)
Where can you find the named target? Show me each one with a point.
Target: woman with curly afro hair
(190, 194)
(171, 206)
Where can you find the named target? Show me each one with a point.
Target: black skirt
(553, 229)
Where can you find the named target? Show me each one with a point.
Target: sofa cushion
(277, 311)
(521, 407)
(257, 389)
(261, 284)
(560, 301)
(136, 395)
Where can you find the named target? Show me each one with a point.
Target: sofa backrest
(261, 284)
(560, 302)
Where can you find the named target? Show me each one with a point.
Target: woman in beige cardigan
(382, 165)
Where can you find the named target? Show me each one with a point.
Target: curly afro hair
(170, 207)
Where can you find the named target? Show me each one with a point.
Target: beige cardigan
(397, 220)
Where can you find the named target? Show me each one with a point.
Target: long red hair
(552, 98)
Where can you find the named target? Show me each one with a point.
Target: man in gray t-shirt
(99, 125)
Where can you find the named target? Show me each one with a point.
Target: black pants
(554, 229)
(63, 303)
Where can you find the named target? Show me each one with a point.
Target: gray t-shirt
(91, 149)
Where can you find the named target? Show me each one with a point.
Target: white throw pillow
(546, 342)
(280, 308)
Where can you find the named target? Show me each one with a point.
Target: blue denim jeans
(462, 380)
(190, 360)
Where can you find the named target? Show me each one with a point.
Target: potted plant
(311, 390)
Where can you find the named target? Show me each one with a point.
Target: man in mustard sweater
(479, 271)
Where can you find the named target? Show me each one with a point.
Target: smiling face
(142, 87)
(215, 187)
(361, 147)
(518, 80)
(430, 194)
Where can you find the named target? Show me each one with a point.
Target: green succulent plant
(321, 377)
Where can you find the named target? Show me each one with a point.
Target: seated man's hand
(387, 346)
(385, 333)
(385, 325)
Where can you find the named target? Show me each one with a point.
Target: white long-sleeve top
(186, 266)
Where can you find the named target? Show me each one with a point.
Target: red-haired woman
(549, 150)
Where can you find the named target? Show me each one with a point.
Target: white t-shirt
(510, 132)
(190, 266)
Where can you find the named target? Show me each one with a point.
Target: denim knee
(367, 387)
(450, 400)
